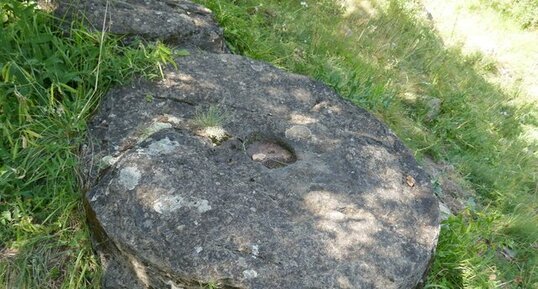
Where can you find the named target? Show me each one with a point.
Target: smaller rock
(176, 22)
(298, 132)
(433, 106)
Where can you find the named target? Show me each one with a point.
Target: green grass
(385, 58)
(524, 12)
(50, 82)
(210, 117)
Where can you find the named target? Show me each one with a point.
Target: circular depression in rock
(271, 153)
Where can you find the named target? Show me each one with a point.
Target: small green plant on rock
(210, 124)
(212, 285)
(212, 117)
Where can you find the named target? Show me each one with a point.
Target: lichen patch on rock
(153, 128)
(201, 205)
(129, 177)
(167, 204)
(250, 274)
(163, 146)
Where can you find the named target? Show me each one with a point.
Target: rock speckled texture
(176, 22)
(348, 208)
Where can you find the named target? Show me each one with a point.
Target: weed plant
(50, 82)
(387, 57)
(210, 117)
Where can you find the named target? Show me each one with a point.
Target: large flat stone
(300, 189)
(177, 22)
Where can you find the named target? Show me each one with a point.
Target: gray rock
(177, 22)
(444, 211)
(433, 106)
(308, 191)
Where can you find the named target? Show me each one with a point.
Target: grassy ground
(385, 56)
(49, 84)
(523, 12)
(509, 53)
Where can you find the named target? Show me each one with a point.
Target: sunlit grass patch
(524, 12)
(498, 42)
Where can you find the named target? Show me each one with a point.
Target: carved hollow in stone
(271, 153)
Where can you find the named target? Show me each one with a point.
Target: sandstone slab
(177, 22)
(231, 172)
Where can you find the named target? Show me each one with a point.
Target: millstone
(176, 22)
(305, 191)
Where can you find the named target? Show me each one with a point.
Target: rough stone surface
(176, 22)
(348, 208)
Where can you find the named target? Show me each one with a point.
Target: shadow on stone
(320, 199)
